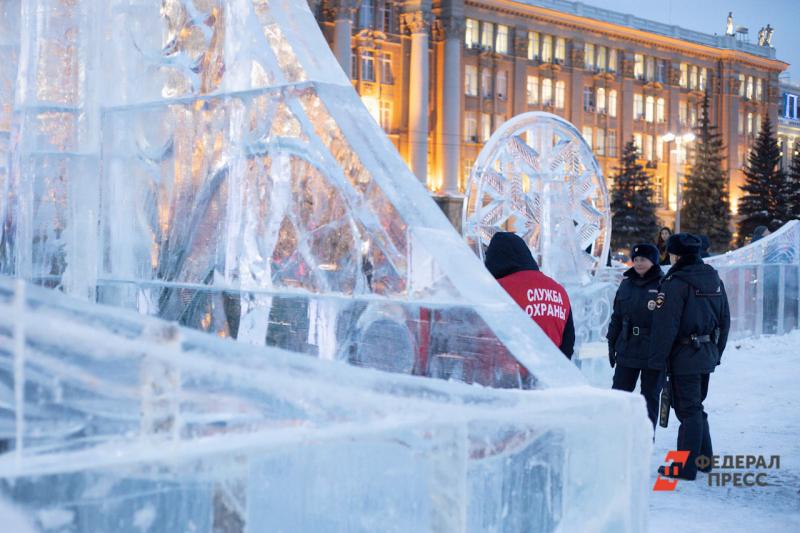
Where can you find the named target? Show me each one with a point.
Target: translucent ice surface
(763, 283)
(209, 163)
(118, 421)
(181, 173)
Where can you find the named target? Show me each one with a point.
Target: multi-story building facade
(789, 123)
(440, 76)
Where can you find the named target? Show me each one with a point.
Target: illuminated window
(386, 115)
(487, 36)
(684, 80)
(561, 49)
(611, 143)
(601, 58)
(367, 65)
(470, 127)
(588, 56)
(533, 90)
(693, 77)
(547, 91)
(560, 95)
(638, 66)
(472, 34)
(547, 49)
(742, 84)
(647, 151)
(612, 60)
(486, 83)
(638, 107)
(587, 135)
(501, 43)
(387, 77)
(649, 113)
(533, 44)
(601, 100)
(471, 80)
(660, 110)
(703, 78)
(486, 126)
(501, 84)
(612, 102)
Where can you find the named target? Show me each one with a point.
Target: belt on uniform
(695, 338)
(636, 331)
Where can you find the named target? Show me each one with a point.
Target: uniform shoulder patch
(651, 305)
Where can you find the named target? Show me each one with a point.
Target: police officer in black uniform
(629, 330)
(688, 336)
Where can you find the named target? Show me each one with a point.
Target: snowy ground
(754, 409)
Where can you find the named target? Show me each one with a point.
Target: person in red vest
(544, 300)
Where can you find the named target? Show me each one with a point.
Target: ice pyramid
(208, 162)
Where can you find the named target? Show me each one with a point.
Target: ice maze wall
(763, 283)
(207, 163)
(130, 423)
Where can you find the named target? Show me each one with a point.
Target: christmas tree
(706, 206)
(760, 205)
(790, 191)
(633, 211)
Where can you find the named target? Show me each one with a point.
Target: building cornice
(582, 23)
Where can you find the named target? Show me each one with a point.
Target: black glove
(612, 358)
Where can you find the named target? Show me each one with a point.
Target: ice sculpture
(208, 162)
(763, 283)
(537, 177)
(129, 423)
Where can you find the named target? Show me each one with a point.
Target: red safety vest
(542, 298)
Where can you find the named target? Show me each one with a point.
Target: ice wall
(124, 422)
(208, 162)
(763, 283)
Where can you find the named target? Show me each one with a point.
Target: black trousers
(688, 394)
(652, 381)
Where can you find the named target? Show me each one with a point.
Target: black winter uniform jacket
(691, 301)
(629, 330)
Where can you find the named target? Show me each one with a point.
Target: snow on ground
(753, 408)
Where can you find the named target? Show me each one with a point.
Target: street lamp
(679, 139)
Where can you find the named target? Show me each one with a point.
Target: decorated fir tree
(706, 205)
(633, 211)
(763, 186)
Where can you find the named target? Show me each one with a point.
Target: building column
(343, 32)
(451, 127)
(520, 103)
(626, 116)
(577, 65)
(418, 25)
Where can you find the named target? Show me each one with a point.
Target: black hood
(692, 270)
(507, 253)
